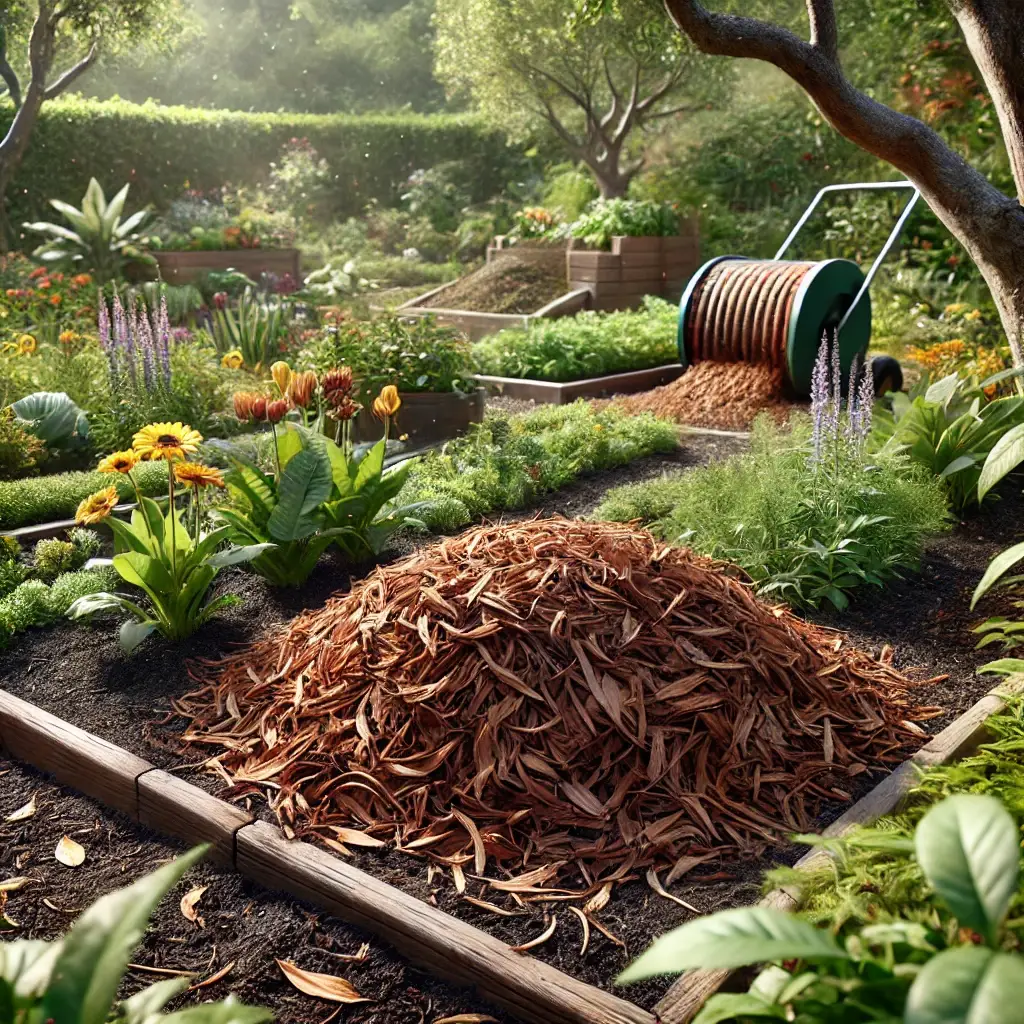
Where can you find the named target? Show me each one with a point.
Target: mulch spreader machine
(776, 311)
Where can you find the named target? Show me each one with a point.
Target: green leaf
(143, 571)
(1006, 455)
(132, 633)
(144, 1005)
(1003, 666)
(728, 1006)
(50, 415)
(228, 1012)
(305, 484)
(970, 985)
(237, 555)
(942, 390)
(28, 964)
(96, 951)
(958, 465)
(734, 938)
(969, 850)
(371, 465)
(1004, 561)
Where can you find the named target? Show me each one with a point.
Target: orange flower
(195, 474)
(242, 401)
(276, 410)
(387, 403)
(301, 388)
(118, 462)
(56, 300)
(97, 507)
(259, 408)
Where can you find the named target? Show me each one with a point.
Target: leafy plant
(606, 218)
(173, 563)
(330, 283)
(25, 603)
(804, 536)
(256, 329)
(320, 494)
(967, 847)
(952, 428)
(20, 451)
(507, 462)
(97, 242)
(75, 980)
(53, 418)
(589, 344)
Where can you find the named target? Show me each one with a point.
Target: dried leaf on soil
(69, 852)
(213, 978)
(23, 813)
(189, 902)
(539, 940)
(467, 1018)
(322, 986)
(14, 884)
(566, 702)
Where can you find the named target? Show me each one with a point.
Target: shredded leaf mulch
(567, 702)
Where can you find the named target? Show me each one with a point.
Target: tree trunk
(12, 150)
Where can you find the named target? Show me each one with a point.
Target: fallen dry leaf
(69, 853)
(540, 940)
(14, 884)
(585, 923)
(467, 1018)
(655, 884)
(213, 978)
(322, 986)
(189, 902)
(25, 812)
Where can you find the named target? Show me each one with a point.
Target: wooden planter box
(426, 416)
(188, 266)
(561, 393)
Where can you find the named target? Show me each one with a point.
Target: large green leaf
(1004, 561)
(142, 1007)
(970, 985)
(238, 555)
(726, 1006)
(142, 571)
(27, 965)
(50, 415)
(228, 1012)
(370, 466)
(969, 850)
(304, 485)
(133, 632)
(96, 951)
(1006, 455)
(734, 938)
(942, 390)
(1004, 666)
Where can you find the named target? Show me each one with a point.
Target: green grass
(507, 462)
(45, 498)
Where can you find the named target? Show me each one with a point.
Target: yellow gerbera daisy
(118, 462)
(27, 344)
(194, 474)
(232, 360)
(168, 441)
(97, 506)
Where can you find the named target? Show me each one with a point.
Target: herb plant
(75, 980)
(606, 218)
(956, 966)
(589, 344)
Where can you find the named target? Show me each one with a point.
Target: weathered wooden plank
(71, 755)
(173, 807)
(688, 994)
(534, 991)
(561, 393)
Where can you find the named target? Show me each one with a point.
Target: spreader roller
(775, 312)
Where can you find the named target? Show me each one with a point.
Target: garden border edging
(690, 991)
(529, 988)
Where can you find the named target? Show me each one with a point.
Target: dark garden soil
(509, 284)
(243, 924)
(81, 675)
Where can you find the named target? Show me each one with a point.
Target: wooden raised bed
(453, 949)
(554, 393)
(185, 266)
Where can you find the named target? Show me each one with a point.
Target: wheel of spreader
(773, 312)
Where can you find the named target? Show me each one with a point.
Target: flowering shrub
(534, 223)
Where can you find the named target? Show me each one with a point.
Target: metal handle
(872, 186)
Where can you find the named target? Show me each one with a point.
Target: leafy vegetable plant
(173, 562)
(967, 847)
(74, 980)
(606, 218)
(53, 418)
(957, 433)
(97, 241)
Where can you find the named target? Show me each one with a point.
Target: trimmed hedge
(42, 499)
(162, 150)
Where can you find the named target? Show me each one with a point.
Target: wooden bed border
(528, 988)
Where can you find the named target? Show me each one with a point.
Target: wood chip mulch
(561, 701)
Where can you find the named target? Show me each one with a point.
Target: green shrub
(42, 499)
(33, 603)
(12, 574)
(589, 344)
(69, 587)
(159, 149)
(53, 557)
(606, 218)
(87, 543)
(508, 461)
(798, 537)
(20, 451)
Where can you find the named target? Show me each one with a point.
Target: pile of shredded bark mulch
(725, 396)
(565, 700)
(508, 284)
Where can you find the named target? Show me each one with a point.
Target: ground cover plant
(505, 462)
(589, 344)
(809, 513)
(42, 499)
(593, 673)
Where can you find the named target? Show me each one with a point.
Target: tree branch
(7, 73)
(73, 73)
(824, 33)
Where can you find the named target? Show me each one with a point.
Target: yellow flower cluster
(940, 359)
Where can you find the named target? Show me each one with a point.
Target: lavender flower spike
(819, 400)
(865, 402)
